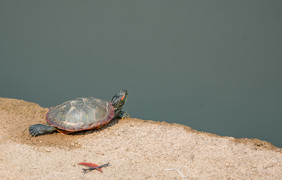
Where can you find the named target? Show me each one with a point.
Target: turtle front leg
(123, 115)
(119, 113)
(40, 129)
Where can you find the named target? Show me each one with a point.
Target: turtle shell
(81, 114)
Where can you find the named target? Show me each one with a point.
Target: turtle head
(119, 99)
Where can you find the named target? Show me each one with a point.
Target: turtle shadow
(91, 131)
(83, 132)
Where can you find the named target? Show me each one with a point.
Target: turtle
(82, 114)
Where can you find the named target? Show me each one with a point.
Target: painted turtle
(81, 114)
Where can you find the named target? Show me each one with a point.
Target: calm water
(212, 65)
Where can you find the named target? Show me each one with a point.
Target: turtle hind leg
(40, 129)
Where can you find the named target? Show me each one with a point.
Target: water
(214, 65)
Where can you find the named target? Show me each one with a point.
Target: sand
(135, 149)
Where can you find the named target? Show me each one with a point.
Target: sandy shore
(135, 149)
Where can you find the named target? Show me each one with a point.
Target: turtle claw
(124, 115)
(33, 131)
